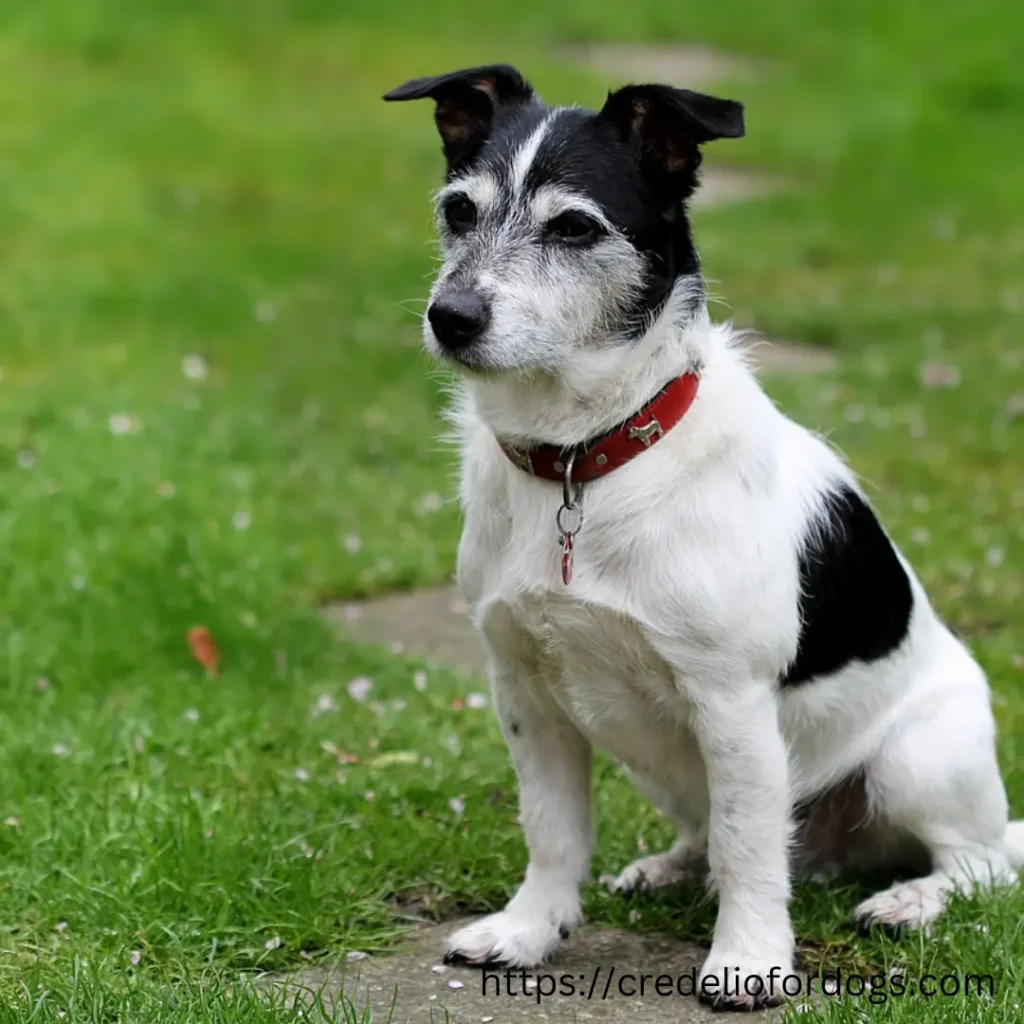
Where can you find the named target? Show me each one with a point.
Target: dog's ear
(466, 102)
(665, 127)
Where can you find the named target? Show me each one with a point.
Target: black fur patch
(856, 600)
(584, 154)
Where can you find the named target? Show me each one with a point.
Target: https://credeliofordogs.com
(612, 983)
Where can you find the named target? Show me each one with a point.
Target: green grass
(183, 180)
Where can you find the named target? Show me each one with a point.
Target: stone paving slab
(686, 66)
(431, 623)
(720, 185)
(774, 358)
(423, 989)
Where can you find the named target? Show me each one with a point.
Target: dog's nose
(458, 318)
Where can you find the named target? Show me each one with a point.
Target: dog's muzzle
(458, 318)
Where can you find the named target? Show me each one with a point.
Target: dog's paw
(508, 940)
(903, 907)
(648, 873)
(734, 982)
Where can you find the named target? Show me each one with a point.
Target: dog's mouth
(474, 357)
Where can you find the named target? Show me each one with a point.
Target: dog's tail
(1015, 843)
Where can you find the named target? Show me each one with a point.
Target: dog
(662, 564)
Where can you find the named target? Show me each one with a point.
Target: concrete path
(685, 66)
(690, 67)
(430, 623)
(597, 970)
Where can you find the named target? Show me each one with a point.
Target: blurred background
(215, 243)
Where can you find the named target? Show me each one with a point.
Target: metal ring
(579, 522)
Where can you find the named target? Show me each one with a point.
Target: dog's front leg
(745, 757)
(552, 762)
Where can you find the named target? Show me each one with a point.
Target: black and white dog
(662, 564)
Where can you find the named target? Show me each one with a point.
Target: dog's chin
(481, 362)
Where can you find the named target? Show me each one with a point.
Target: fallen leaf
(393, 758)
(204, 650)
(342, 756)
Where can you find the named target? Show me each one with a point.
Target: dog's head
(561, 228)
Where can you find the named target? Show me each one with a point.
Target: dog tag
(567, 558)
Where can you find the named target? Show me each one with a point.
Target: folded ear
(665, 126)
(466, 102)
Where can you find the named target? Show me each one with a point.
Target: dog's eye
(573, 228)
(460, 214)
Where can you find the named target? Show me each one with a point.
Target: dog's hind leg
(686, 858)
(936, 779)
(687, 805)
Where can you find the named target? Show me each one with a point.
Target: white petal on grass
(1015, 405)
(938, 375)
(359, 688)
(194, 367)
(456, 805)
(135, 956)
(353, 543)
(325, 703)
(476, 701)
(190, 715)
(429, 503)
(302, 775)
(59, 750)
(265, 312)
(241, 520)
(275, 943)
(419, 681)
(121, 423)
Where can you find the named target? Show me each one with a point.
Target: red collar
(599, 457)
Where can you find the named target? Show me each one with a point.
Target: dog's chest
(601, 670)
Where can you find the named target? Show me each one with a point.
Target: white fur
(666, 647)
